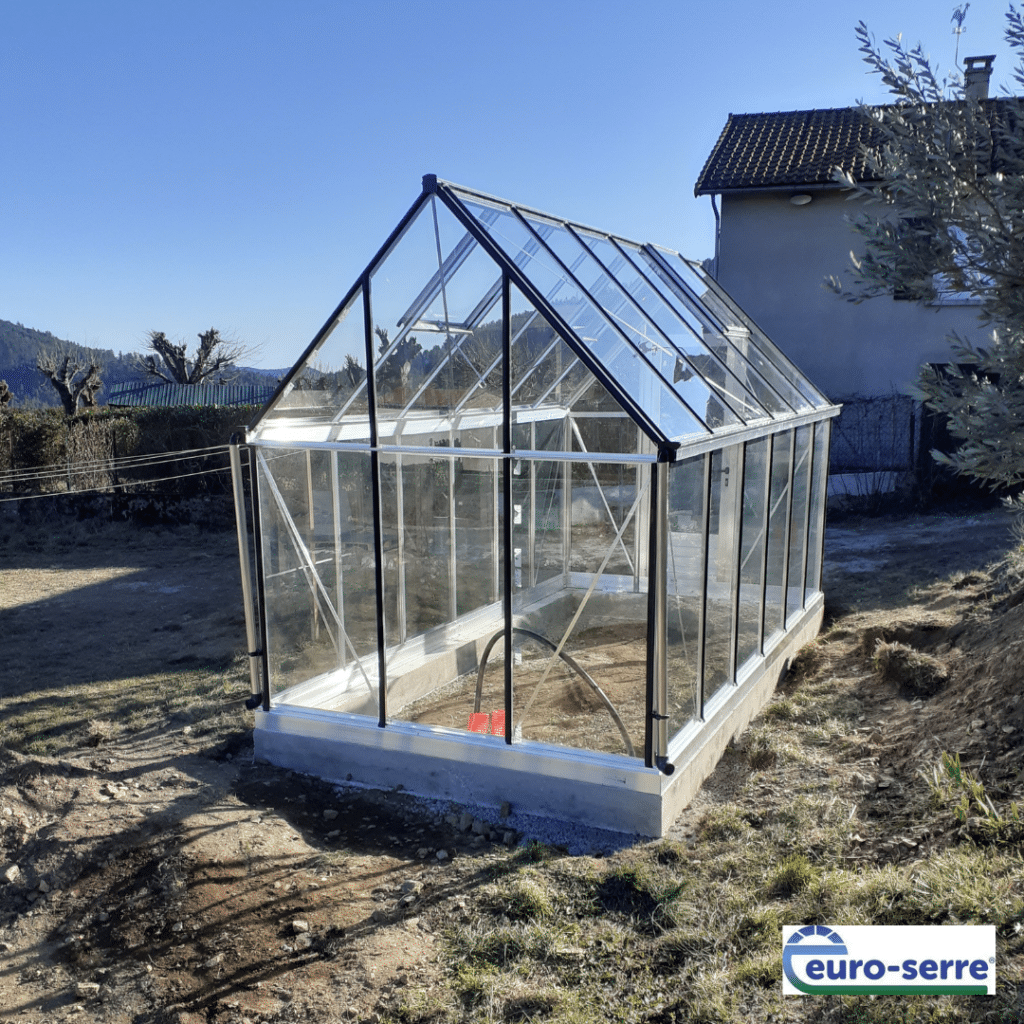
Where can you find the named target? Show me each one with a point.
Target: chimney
(977, 74)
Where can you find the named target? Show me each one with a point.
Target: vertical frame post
(506, 497)
(378, 526)
(807, 513)
(705, 552)
(254, 488)
(656, 725)
(255, 685)
(765, 522)
(737, 555)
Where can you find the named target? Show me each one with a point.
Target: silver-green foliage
(946, 181)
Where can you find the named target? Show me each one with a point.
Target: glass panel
(448, 587)
(317, 526)
(470, 283)
(597, 614)
(394, 579)
(616, 435)
(538, 528)
(676, 338)
(798, 519)
(603, 495)
(752, 541)
(621, 361)
(778, 522)
(426, 541)
(705, 309)
(330, 387)
(477, 501)
(684, 563)
(723, 536)
(401, 287)
(748, 391)
(815, 536)
(729, 315)
(636, 333)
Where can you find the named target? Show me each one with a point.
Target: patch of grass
(524, 897)
(793, 875)
(46, 723)
(641, 892)
(784, 709)
(725, 822)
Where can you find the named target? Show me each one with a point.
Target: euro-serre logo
(889, 960)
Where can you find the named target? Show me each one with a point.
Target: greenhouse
(539, 519)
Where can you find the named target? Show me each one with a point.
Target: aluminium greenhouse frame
(710, 495)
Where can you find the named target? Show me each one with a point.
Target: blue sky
(236, 163)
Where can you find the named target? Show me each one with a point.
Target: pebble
(442, 855)
(12, 873)
(298, 926)
(330, 815)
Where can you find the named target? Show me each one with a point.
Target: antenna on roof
(958, 16)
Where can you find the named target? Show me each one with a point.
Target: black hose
(582, 673)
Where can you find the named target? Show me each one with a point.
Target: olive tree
(946, 188)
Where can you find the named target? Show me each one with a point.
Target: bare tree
(75, 381)
(214, 356)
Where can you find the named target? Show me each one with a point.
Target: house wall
(773, 259)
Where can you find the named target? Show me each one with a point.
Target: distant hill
(20, 347)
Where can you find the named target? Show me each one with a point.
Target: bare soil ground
(151, 872)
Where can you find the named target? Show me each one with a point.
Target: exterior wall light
(800, 199)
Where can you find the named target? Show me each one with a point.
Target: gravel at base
(575, 838)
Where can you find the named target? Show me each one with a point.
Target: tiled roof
(803, 147)
(800, 147)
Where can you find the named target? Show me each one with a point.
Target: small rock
(884, 783)
(509, 839)
(43, 886)
(87, 989)
(304, 942)
(334, 834)
(1008, 729)
(480, 828)
(465, 821)
(177, 927)
(423, 851)
(299, 926)
(407, 901)
(213, 962)
(410, 885)
(442, 855)
(977, 723)
(452, 819)
(379, 915)
(12, 873)
(330, 814)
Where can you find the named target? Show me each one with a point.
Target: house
(782, 229)
(551, 534)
